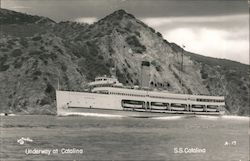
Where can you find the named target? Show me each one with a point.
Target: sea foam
(208, 117)
(91, 114)
(245, 118)
(168, 118)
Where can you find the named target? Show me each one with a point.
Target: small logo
(23, 140)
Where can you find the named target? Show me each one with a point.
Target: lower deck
(128, 112)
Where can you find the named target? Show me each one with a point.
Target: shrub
(108, 65)
(111, 50)
(4, 67)
(133, 41)
(158, 68)
(34, 78)
(165, 41)
(42, 48)
(37, 73)
(9, 46)
(153, 62)
(159, 34)
(204, 75)
(100, 57)
(37, 38)
(4, 50)
(16, 52)
(119, 30)
(45, 62)
(127, 63)
(99, 34)
(63, 67)
(35, 53)
(50, 91)
(92, 48)
(60, 50)
(135, 44)
(152, 30)
(138, 33)
(3, 59)
(18, 63)
(44, 57)
(44, 101)
(77, 54)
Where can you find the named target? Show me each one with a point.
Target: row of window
(125, 94)
(167, 97)
(138, 95)
(209, 100)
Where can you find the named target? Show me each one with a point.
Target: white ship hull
(69, 102)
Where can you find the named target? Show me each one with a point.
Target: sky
(216, 28)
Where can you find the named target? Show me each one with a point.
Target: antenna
(58, 84)
(181, 70)
(58, 79)
(182, 57)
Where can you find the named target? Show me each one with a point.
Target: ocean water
(175, 138)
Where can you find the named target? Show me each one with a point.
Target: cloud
(19, 7)
(211, 42)
(212, 21)
(215, 36)
(88, 20)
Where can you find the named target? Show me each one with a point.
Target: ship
(106, 95)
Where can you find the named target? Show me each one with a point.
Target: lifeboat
(178, 107)
(197, 108)
(133, 104)
(212, 108)
(159, 106)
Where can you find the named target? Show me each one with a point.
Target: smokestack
(145, 74)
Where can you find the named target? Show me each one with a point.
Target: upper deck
(158, 94)
(105, 81)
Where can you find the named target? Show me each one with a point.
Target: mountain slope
(32, 63)
(227, 78)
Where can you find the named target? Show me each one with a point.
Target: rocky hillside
(36, 53)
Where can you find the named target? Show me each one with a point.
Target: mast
(181, 70)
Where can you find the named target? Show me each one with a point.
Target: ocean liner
(107, 95)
